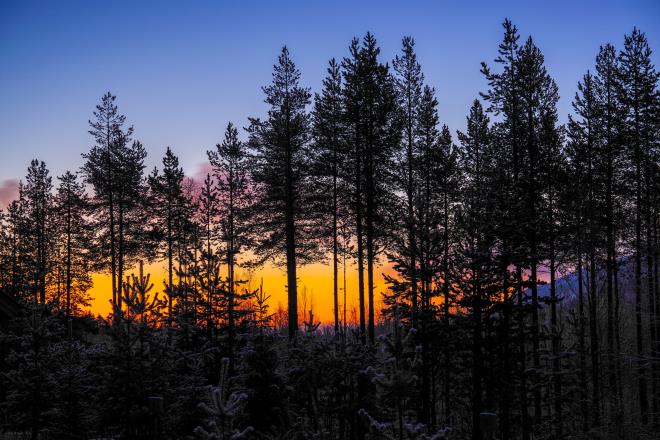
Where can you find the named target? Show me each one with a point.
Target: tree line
(526, 253)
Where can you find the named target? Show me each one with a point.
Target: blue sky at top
(182, 70)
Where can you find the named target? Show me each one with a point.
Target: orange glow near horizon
(314, 289)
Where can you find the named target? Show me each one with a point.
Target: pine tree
(114, 168)
(449, 177)
(586, 137)
(13, 277)
(539, 96)
(166, 201)
(432, 173)
(222, 408)
(352, 97)
(504, 100)
(328, 169)
(141, 305)
(131, 363)
(72, 412)
(434, 180)
(371, 112)
(186, 241)
(609, 99)
(394, 378)
(230, 164)
(278, 173)
(263, 382)
(639, 81)
(30, 360)
(409, 81)
(479, 282)
(208, 216)
(74, 235)
(552, 182)
(130, 206)
(38, 212)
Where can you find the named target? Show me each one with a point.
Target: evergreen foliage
(525, 265)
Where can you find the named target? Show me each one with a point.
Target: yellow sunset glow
(314, 288)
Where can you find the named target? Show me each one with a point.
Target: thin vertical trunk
(411, 228)
(656, 274)
(58, 298)
(41, 243)
(194, 272)
(68, 257)
(425, 279)
(181, 291)
(120, 255)
(232, 296)
(360, 257)
(641, 367)
(359, 231)
(209, 261)
(582, 347)
(476, 359)
(532, 148)
(612, 359)
(290, 232)
(370, 208)
(230, 266)
(335, 250)
(556, 361)
(592, 278)
(445, 292)
(523, 356)
(434, 398)
(536, 357)
(344, 279)
(555, 336)
(617, 342)
(593, 336)
(170, 263)
(425, 413)
(506, 380)
(650, 285)
(111, 214)
(370, 271)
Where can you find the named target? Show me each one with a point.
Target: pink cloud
(200, 174)
(193, 181)
(8, 191)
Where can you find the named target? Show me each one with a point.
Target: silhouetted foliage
(521, 265)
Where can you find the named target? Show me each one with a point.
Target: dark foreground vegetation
(526, 301)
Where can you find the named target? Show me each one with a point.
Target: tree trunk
(641, 367)
(359, 233)
(445, 291)
(120, 259)
(290, 232)
(170, 264)
(593, 336)
(523, 357)
(230, 269)
(582, 347)
(556, 343)
(476, 359)
(370, 208)
(335, 247)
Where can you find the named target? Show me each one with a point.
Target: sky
(182, 70)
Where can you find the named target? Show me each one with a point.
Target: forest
(524, 301)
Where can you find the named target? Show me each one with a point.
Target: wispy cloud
(8, 191)
(193, 181)
(199, 175)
